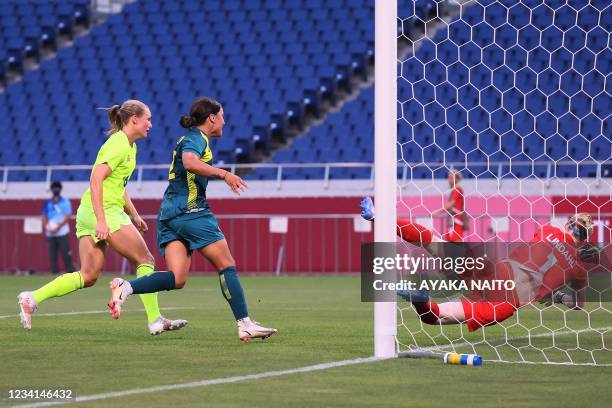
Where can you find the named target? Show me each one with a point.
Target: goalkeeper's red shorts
(479, 314)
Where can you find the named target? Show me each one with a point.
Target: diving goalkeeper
(541, 268)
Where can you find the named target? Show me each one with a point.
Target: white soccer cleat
(162, 324)
(252, 330)
(28, 306)
(118, 297)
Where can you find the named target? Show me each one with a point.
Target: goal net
(516, 97)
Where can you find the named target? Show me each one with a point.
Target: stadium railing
(496, 169)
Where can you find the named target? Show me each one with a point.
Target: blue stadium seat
(497, 78)
(95, 63)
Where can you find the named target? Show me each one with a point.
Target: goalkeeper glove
(555, 297)
(367, 208)
(589, 253)
(559, 297)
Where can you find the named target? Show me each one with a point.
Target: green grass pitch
(320, 320)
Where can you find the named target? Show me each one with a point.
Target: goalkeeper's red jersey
(545, 264)
(548, 263)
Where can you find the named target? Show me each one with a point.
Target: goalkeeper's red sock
(429, 312)
(413, 232)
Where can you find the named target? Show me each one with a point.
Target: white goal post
(385, 159)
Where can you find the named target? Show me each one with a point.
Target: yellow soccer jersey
(117, 153)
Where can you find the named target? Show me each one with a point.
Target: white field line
(206, 383)
(500, 341)
(268, 374)
(94, 312)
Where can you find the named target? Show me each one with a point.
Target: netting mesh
(516, 96)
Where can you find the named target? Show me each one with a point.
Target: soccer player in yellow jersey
(107, 216)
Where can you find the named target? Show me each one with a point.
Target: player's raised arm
(406, 229)
(193, 164)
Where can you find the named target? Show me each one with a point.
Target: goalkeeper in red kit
(540, 269)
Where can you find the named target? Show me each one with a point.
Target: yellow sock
(149, 300)
(60, 286)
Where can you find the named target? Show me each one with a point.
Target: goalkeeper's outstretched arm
(406, 229)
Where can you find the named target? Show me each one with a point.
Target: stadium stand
(169, 53)
(30, 27)
(469, 107)
(345, 136)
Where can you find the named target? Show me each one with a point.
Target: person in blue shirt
(56, 215)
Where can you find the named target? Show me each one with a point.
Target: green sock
(60, 286)
(149, 300)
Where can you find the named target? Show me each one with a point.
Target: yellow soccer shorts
(86, 221)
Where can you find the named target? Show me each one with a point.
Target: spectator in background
(455, 209)
(56, 214)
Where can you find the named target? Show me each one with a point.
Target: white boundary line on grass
(268, 374)
(95, 312)
(206, 383)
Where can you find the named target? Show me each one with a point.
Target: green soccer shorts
(195, 230)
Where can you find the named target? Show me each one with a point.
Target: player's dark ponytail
(200, 110)
(186, 121)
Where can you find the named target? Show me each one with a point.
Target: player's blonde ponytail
(118, 115)
(114, 119)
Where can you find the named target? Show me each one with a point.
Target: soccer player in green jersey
(106, 216)
(185, 222)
